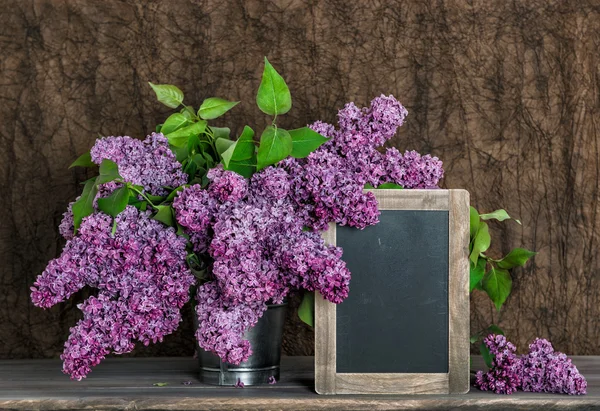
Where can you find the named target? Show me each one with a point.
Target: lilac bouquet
(190, 212)
(541, 370)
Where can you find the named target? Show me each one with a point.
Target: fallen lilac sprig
(541, 370)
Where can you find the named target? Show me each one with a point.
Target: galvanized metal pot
(263, 364)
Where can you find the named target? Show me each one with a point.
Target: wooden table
(127, 383)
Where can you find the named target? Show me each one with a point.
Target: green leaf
(497, 284)
(243, 149)
(474, 221)
(174, 122)
(275, 145)
(226, 155)
(210, 162)
(368, 186)
(221, 132)
(494, 329)
(517, 257)
(306, 310)
(190, 168)
(168, 94)
(481, 243)
(273, 96)
(499, 215)
(485, 353)
(84, 160)
(223, 144)
(84, 206)
(179, 138)
(214, 107)
(160, 384)
(199, 160)
(388, 186)
(115, 203)
(165, 215)
(474, 338)
(245, 146)
(194, 144)
(173, 193)
(181, 153)
(109, 171)
(305, 141)
(188, 113)
(243, 167)
(477, 271)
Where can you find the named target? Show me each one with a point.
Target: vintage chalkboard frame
(456, 381)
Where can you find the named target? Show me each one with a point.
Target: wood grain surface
(128, 383)
(506, 93)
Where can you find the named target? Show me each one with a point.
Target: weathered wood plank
(125, 383)
(347, 383)
(325, 334)
(458, 292)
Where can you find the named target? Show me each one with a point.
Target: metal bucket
(262, 366)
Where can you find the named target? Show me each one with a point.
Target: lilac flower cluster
(142, 281)
(260, 236)
(546, 370)
(328, 184)
(149, 163)
(259, 251)
(541, 370)
(505, 376)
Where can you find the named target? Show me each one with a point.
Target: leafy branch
(490, 275)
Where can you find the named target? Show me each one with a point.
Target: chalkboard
(405, 326)
(407, 310)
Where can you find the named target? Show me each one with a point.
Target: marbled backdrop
(505, 92)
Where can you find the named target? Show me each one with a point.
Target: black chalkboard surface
(404, 328)
(398, 293)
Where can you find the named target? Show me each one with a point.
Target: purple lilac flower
(270, 184)
(142, 279)
(149, 163)
(327, 186)
(506, 373)
(546, 370)
(222, 323)
(541, 370)
(272, 380)
(194, 210)
(259, 252)
(412, 170)
(226, 185)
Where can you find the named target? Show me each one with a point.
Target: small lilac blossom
(226, 185)
(149, 163)
(546, 370)
(541, 370)
(194, 211)
(412, 170)
(505, 376)
(222, 323)
(270, 184)
(142, 279)
(272, 380)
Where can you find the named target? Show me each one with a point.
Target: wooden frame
(456, 381)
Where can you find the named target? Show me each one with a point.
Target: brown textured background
(505, 92)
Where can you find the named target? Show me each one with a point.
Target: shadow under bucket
(262, 366)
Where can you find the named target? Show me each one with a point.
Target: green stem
(114, 228)
(143, 196)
